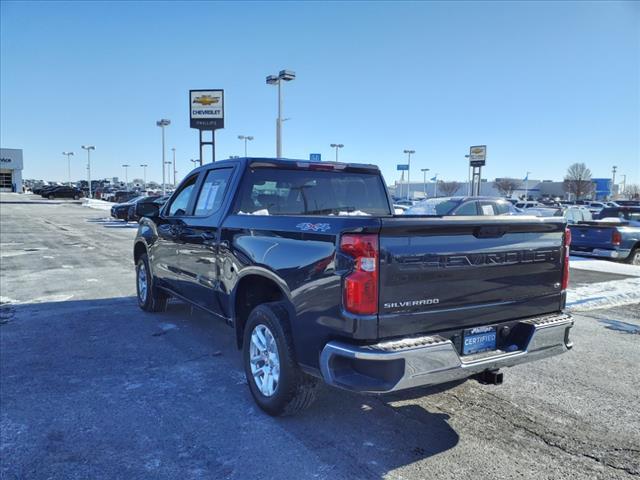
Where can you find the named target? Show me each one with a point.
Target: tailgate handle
(489, 232)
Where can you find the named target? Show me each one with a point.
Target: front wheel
(51, 197)
(634, 257)
(150, 298)
(76, 197)
(277, 383)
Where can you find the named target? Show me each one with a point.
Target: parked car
(528, 204)
(320, 280)
(631, 214)
(140, 208)
(577, 213)
(120, 211)
(463, 206)
(62, 192)
(123, 196)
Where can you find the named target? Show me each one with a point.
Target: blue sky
(542, 84)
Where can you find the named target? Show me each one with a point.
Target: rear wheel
(634, 257)
(150, 298)
(76, 197)
(277, 383)
(51, 197)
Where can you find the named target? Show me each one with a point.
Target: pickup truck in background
(321, 282)
(616, 235)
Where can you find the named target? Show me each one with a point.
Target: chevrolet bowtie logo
(206, 100)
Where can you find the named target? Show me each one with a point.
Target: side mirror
(148, 210)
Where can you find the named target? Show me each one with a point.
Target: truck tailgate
(457, 272)
(588, 237)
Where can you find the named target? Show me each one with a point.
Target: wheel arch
(252, 290)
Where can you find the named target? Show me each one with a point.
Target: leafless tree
(448, 188)
(632, 191)
(577, 181)
(506, 186)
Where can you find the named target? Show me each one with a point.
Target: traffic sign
(315, 157)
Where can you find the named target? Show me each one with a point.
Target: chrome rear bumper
(428, 360)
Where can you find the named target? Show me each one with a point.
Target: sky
(542, 84)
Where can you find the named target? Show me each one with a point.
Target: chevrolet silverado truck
(322, 282)
(615, 236)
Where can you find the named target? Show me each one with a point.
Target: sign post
(402, 167)
(477, 160)
(206, 112)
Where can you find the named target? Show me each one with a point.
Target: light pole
(526, 187)
(174, 166)
(167, 165)
(424, 181)
(88, 148)
(624, 184)
(126, 175)
(337, 146)
(69, 155)
(195, 162)
(613, 181)
(144, 175)
(246, 138)
(409, 153)
(163, 123)
(287, 76)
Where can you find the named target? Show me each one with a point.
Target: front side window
(180, 202)
(269, 191)
(212, 191)
(468, 208)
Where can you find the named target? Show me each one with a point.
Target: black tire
(76, 197)
(634, 257)
(154, 300)
(295, 390)
(51, 197)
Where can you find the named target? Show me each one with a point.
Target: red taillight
(361, 286)
(616, 237)
(565, 267)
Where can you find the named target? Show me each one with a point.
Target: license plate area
(479, 339)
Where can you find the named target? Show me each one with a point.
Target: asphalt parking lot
(92, 387)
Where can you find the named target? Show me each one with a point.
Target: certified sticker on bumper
(480, 339)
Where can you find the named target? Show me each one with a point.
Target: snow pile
(604, 295)
(97, 204)
(358, 213)
(604, 266)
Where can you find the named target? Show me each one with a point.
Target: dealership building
(10, 170)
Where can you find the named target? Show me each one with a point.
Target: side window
(180, 202)
(212, 191)
(468, 208)
(487, 208)
(502, 208)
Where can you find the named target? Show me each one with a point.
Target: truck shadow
(178, 375)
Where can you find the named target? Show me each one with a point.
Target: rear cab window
(276, 191)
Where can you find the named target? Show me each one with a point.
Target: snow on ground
(603, 295)
(604, 266)
(97, 204)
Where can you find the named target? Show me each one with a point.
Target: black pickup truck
(320, 280)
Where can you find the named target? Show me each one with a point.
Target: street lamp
(287, 76)
(195, 162)
(167, 164)
(409, 153)
(246, 138)
(88, 148)
(613, 181)
(163, 123)
(144, 175)
(424, 181)
(526, 187)
(126, 175)
(69, 155)
(174, 166)
(336, 146)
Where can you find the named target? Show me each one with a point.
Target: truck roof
(290, 163)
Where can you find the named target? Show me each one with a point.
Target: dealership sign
(206, 109)
(478, 156)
